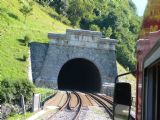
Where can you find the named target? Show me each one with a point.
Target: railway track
(104, 102)
(71, 104)
(67, 106)
(106, 98)
(79, 106)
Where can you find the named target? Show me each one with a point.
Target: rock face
(47, 60)
(10, 109)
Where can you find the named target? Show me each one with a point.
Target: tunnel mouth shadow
(79, 75)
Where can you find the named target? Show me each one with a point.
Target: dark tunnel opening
(81, 75)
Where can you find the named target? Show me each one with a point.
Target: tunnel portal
(79, 74)
(77, 60)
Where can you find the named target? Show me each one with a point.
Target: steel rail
(78, 102)
(99, 100)
(104, 98)
(63, 106)
(79, 106)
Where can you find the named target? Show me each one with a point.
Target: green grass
(13, 28)
(20, 116)
(45, 92)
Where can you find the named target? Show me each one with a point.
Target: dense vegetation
(12, 90)
(114, 18)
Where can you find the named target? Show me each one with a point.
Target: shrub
(7, 91)
(25, 57)
(26, 11)
(25, 88)
(64, 20)
(107, 32)
(27, 40)
(11, 90)
(94, 27)
(13, 16)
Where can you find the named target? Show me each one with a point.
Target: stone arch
(48, 59)
(72, 56)
(79, 74)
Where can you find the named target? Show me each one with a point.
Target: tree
(61, 6)
(77, 10)
(26, 11)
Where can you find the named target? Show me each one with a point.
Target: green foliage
(61, 6)
(45, 92)
(27, 40)
(107, 32)
(25, 57)
(94, 27)
(64, 20)
(11, 90)
(26, 10)
(20, 116)
(132, 5)
(78, 9)
(123, 54)
(44, 2)
(7, 91)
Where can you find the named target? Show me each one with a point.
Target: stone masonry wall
(38, 53)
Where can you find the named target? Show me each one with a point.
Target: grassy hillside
(128, 78)
(13, 29)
